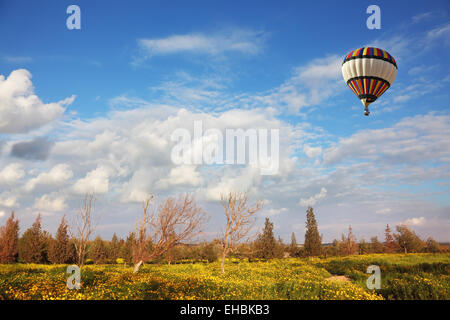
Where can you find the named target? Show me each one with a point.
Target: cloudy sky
(93, 110)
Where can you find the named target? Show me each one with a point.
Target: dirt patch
(339, 278)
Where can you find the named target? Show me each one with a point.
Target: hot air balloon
(369, 72)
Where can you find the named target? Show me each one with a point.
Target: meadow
(412, 276)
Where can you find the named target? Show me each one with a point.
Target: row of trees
(35, 245)
(405, 240)
(164, 231)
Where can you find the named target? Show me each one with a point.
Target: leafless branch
(240, 219)
(82, 228)
(177, 220)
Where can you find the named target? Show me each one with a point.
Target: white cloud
(57, 176)
(273, 212)
(244, 180)
(8, 201)
(184, 175)
(17, 59)
(187, 90)
(134, 146)
(442, 32)
(95, 181)
(2, 213)
(313, 199)
(422, 16)
(402, 98)
(20, 109)
(312, 152)
(328, 68)
(234, 40)
(416, 221)
(11, 173)
(50, 203)
(421, 69)
(308, 86)
(412, 140)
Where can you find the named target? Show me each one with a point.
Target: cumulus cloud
(416, 221)
(126, 154)
(7, 200)
(57, 176)
(184, 175)
(412, 140)
(50, 203)
(95, 181)
(312, 152)
(313, 199)
(12, 173)
(244, 180)
(20, 109)
(37, 149)
(134, 149)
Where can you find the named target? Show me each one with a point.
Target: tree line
(404, 240)
(165, 235)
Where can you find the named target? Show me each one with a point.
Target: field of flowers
(414, 276)
(276, 279)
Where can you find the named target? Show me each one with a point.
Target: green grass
(412, 276)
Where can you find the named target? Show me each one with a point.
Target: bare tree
(140, 244)
(240, 219)
(84, 227)
(176, 220)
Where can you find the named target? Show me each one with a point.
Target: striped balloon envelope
(369, 72)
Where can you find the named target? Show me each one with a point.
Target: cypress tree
(114, 248)
(31, 245)
(61, 248)
(390, 245)
(336, 248)
(293, 248)
(313, 240)
(376, 246)
(97, 252)
(364, 247)
(279, 248)
(349, 244)
(266, 242)
(9, 240)
(126, 251)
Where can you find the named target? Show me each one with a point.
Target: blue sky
(99, 104)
